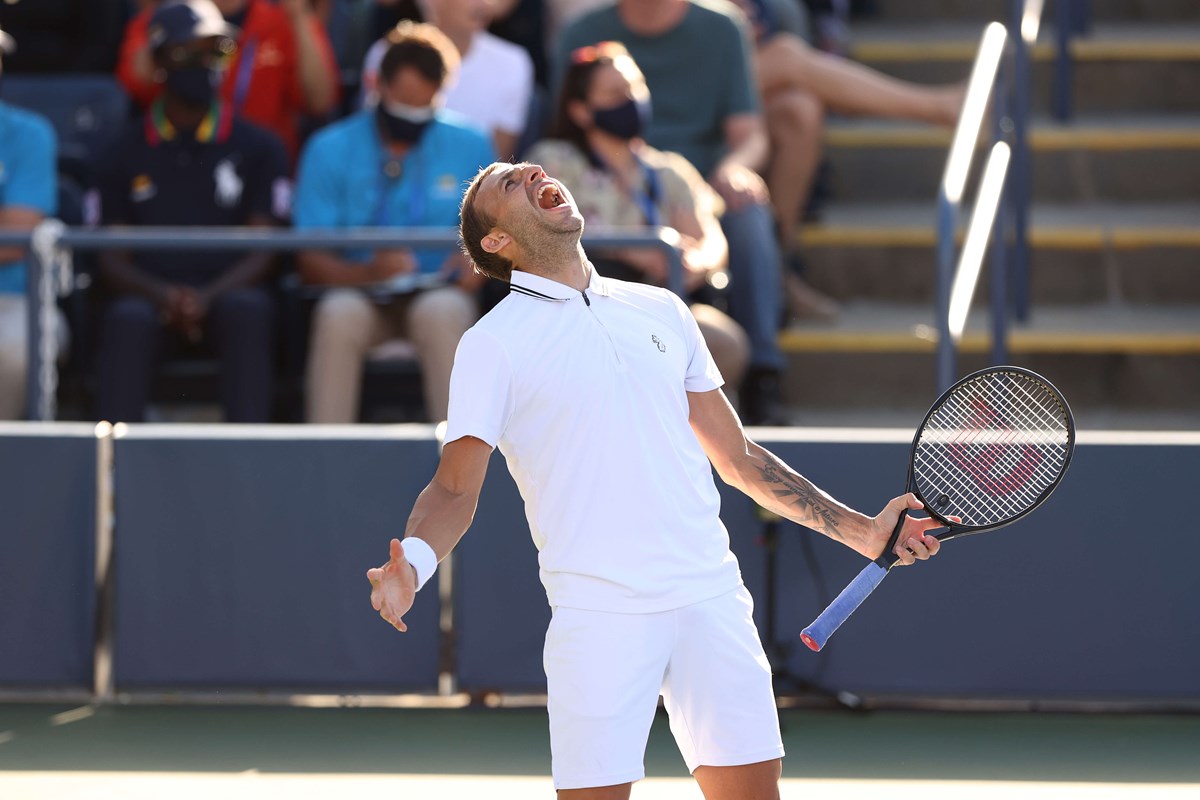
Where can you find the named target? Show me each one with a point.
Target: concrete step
(1090, 159)
(1121, 68)
(1102, 10)
(879, 356)
(1086, 253)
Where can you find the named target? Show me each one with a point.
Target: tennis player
(608, 409)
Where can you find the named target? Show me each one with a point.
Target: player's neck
(562, 261)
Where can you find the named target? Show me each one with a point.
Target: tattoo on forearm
(794, 492)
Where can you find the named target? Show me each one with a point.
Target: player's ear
(495, 241)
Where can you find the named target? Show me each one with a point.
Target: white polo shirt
(585, 394)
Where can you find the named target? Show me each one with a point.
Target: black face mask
(403, 126)
(195, 86)
(626, 121)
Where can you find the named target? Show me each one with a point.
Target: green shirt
(699, 73)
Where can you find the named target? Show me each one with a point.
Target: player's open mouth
(549, 197)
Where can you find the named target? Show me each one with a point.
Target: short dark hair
(473, 225)
(422, 47)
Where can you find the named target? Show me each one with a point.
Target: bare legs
(747, 782)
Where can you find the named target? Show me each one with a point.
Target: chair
(88, 112)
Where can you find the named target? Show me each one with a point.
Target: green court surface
(50, 752)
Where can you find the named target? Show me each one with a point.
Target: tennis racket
(992, 449)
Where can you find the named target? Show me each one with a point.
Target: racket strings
(992, 449)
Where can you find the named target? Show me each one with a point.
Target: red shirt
(265, 90)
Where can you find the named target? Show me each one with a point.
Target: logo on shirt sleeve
(662, 347)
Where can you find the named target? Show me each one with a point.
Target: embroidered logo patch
(662, 348)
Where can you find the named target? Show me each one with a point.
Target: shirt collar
(541, 288)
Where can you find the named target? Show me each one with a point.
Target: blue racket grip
(817, 634)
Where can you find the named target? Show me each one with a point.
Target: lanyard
(391, 173)
(646, 199)
(241, 85)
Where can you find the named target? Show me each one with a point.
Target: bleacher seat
(87, 112)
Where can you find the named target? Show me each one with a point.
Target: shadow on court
(820, 744)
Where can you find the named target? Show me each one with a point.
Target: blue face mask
(401, 123)
(625, 121)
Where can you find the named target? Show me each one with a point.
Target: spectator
(284, 67)
(707, 109)
(28, 194)
(800, 86)
(62, 35)
(494, 82)
(403, 163)
(623, 182)
(190, 161)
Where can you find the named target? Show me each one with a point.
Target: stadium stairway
(1115, 225)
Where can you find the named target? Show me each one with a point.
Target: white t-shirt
(586, 397)
(492, 88)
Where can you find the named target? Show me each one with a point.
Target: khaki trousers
(347, 325)
(14, 353)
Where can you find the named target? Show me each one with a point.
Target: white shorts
(605, 672)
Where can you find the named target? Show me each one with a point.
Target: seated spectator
(800, 85)
(28, 194)
(65, 36)
(189, 161)
(623, 182)
(707, 109)
(283, 69)
(494, 82)
(403, 163)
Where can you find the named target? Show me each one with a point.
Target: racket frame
(816, 635)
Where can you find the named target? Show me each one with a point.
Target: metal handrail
(51, 245)
(986, 80)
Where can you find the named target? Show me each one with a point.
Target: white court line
(205, 786)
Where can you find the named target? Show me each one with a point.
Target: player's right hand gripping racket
(991, 449)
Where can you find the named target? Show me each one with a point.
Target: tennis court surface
(54, 752)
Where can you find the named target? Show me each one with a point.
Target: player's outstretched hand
(913, 544)
(393, 587)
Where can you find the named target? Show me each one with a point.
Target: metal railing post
(1020, 179)
(33, 333)
(947, 222)
(1003, 128)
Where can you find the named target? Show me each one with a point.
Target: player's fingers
(396, 551)
(376, 599)
(910, 501)
(902, 552)
(933, 545)
(916, 546)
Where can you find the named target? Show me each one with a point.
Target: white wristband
(421, 556)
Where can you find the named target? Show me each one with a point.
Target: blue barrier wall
(240, 553)
(47, 555)
(241, 556)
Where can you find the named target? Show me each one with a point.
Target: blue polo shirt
(28, 176)
(344, 181)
